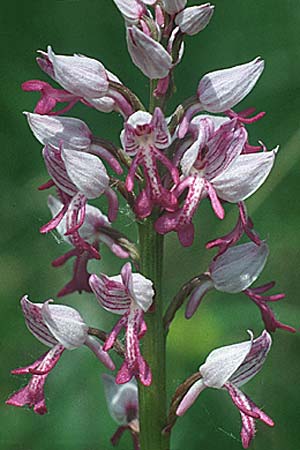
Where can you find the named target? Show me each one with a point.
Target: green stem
(152, 399)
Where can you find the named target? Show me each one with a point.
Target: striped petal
(111, 293)
(254, 360)
(162, 137)
(35, 322)
(57, 170)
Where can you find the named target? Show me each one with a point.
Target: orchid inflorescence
(172, 164)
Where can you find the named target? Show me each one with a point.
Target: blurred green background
(77, 418)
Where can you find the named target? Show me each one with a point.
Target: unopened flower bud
(194, 19)
(174, 6)
(80, 75)
(131, 10)
(147, 54)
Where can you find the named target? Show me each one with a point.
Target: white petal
(244, 176)
(86, 171)
(205, 129)
(66, 325)
(139, 118)
(221, 363)
(223, 89)
(55, 130)
(119, 398)
(143, 291)
(103, 104)
(189, 158)
(239, 267)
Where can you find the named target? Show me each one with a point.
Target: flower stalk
(152, 399)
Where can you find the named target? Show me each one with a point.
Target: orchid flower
(83, 79)
(95, 229)
(130, 295)
(78, 176)
(214, 166)
(221, 90)
(72, 161)
(122, 402)
(144, 137)
(73, 133)
(229, 368)
(235, 271)
(59, 327)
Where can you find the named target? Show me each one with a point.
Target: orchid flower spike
(144, 137)
(95, 229)
(122, 402)
(59, 327)
(214, 166)
(229, 368)
(130, 295)
(235, 271)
